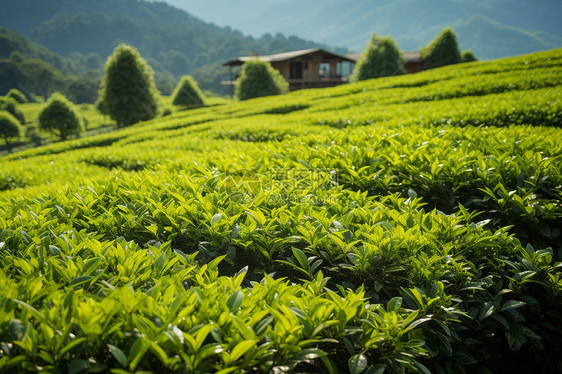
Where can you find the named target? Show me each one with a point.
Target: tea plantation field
(405, 224)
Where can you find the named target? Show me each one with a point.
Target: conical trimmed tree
(259, 78)
(188, 94)
(381, 58)
(128, 93)
(60, 117)
(441, 51)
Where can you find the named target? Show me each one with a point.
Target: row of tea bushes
(337, 230)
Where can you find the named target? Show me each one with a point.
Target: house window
(324, 70)
(296, 70)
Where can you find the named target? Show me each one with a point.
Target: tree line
(35, 70)
(382, 57)
(128, 92)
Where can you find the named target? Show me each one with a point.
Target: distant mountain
(491, 28)
(170, 39)
(179, 42)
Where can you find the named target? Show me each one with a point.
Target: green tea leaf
(357, 364)
(81, 280)
(137, 351)
(375, 369)
(241, 348)
(217, 217)
(487, 309)
(77, 366)
(394, 304)
(301, 257)
(512, 304)
(234, 301)
(70, 346)
(118, 354)
(17, 329)
(464, 358)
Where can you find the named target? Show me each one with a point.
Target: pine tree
(9, 128)
(187, 93)
(128, 93)
(381, 58)
(259, 78)
(441, 51)
(60, 117)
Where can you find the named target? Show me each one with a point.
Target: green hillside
(174, 41)
(404, 224)
(11, 41)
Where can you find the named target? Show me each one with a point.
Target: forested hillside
(170, 39)
(35, 70)
(11, 41)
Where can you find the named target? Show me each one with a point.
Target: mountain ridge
(412, 23)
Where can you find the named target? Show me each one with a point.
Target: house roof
(412, 56)
(286, 56)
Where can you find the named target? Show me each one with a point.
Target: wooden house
(414, 62)
(307, 68)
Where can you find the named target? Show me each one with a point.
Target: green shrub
(17, 95)
(9, 128)
(381, 58)
(128, 93)
(60, 117)
(9, 105)
(468, 56)
(441, 51)
(187, 93)
(259, 78)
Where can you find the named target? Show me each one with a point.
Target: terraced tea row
(400, 224)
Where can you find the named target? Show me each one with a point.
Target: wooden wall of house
(413, 67)
(310, 71)
(283, 68)
(311, 77)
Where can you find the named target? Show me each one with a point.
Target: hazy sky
(492, 28)
(229, 13)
